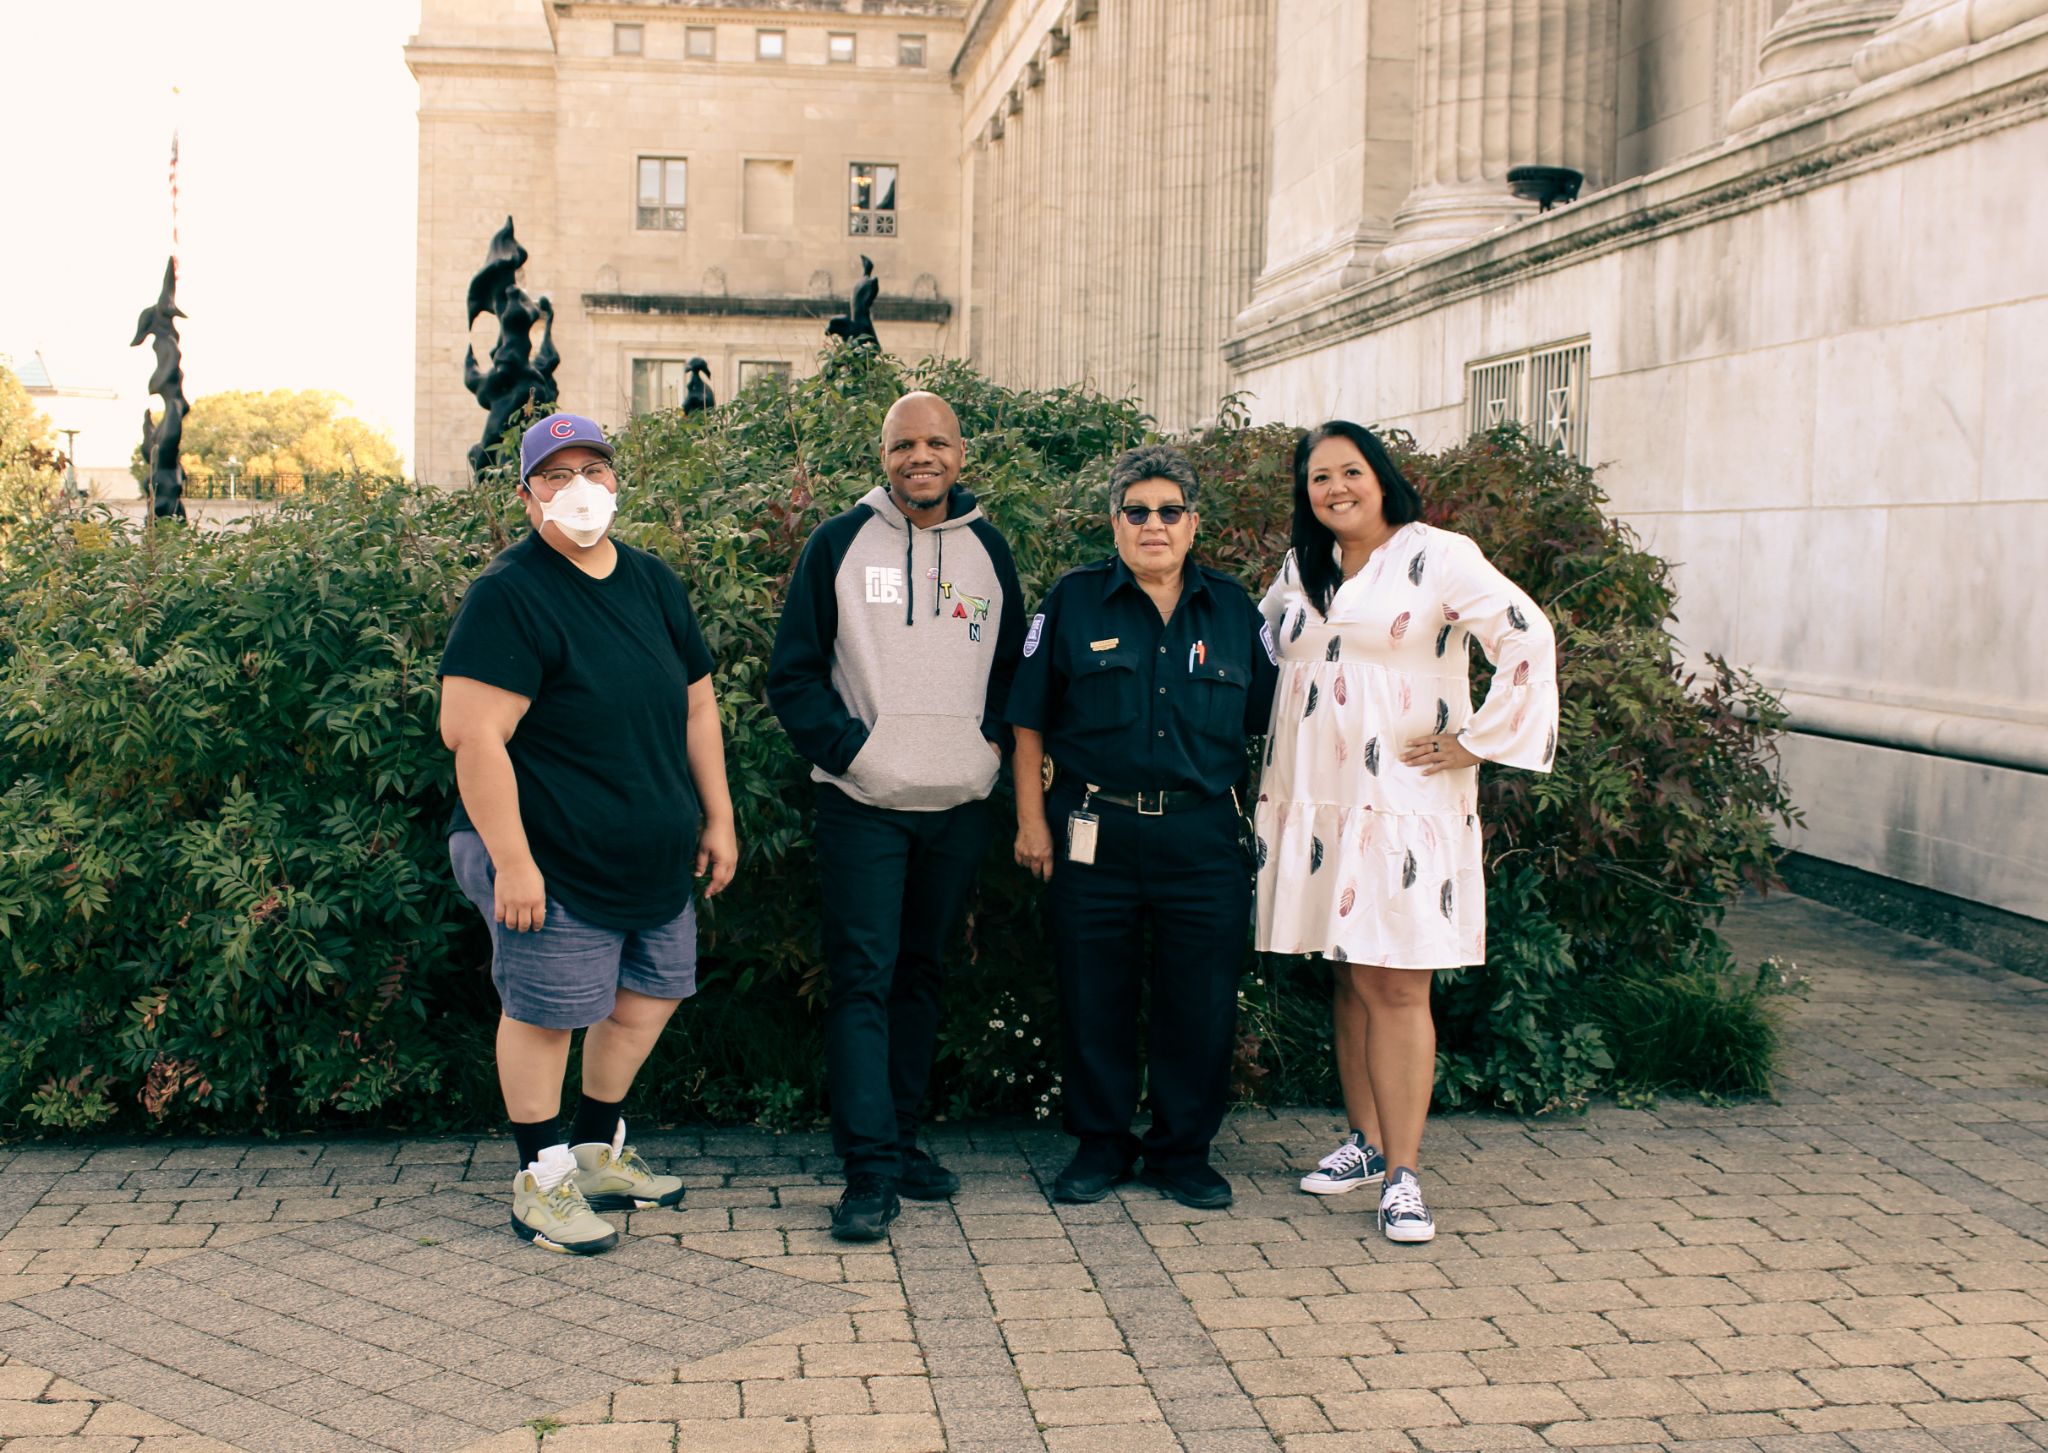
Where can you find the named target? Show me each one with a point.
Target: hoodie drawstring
(909, 571)
(939, 576)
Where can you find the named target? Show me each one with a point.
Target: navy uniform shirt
(1132, 703)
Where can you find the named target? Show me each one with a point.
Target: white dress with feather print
(1361, 858)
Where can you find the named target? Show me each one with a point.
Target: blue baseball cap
(549, 437)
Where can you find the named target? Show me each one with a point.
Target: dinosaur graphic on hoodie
(893, 659)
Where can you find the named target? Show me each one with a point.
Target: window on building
(659, 207)
(659, 383)
(839, 47)
(767, 197)
(768, 45)
(1545, 390)
(752, 369)
(700, 43)
(873, 186)
(910, 51)
(629, 39)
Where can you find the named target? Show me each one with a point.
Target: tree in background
(284, 432)
(31, 466)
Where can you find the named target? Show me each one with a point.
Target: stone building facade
(1801, 328)
(689, 180)
(1797, 314)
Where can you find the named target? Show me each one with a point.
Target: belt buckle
(1158, 811)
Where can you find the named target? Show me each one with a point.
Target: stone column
(1806, 57)
(1928, 28)
(1500, 84)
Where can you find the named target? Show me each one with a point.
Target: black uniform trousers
(1183, 878)
(894, 885)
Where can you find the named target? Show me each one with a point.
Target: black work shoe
(924, 1179)
(1197, 1186)
(867, 1208)
(1087, 1179)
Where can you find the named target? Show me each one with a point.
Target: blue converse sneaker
(1403, 1217)
(1354, 1163)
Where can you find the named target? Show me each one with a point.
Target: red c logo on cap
(561, 428)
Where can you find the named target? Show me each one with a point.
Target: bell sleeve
(1274, 606)
(1516, 725)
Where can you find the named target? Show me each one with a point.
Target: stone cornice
(722, 305)
(782, 12)
(909, 82)
(487, 62)
(981, 23)
(1739, 176)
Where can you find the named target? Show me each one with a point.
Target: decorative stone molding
(1925, 29)
(1806, 57)
(888, 309)
(1741, 175)
(1504, 83)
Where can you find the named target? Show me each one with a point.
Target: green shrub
(224, 895)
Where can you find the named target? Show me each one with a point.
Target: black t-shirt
(604, 778)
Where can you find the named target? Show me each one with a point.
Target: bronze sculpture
(697, 397)
(161, 437)
(518, 376)
(857, 324)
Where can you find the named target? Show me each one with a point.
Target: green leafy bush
(224, 897)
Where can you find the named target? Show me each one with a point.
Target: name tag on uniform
(1108, 645)
(1081, 828)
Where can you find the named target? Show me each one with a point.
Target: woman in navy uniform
(1142, 678)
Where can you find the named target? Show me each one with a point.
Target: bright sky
(298, 187)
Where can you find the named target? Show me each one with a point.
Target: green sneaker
(614, 1177)
(549, 1210)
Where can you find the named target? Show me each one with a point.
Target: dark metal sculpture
(1546, 186)
(857, 324)
(518, 375)
(161, 437)
(697, 396)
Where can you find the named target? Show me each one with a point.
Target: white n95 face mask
(581, 510)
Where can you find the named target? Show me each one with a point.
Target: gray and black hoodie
(892, 664)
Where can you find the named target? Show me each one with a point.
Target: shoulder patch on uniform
(1266, 640)
(1038, 629)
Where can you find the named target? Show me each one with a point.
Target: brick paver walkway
(1862, 1265)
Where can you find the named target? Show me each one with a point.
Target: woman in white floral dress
(1368, 834)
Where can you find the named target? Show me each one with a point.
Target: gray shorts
(567, 973)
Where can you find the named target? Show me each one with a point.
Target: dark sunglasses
(1168, 514)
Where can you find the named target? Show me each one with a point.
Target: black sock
(534, 1136)
(596, 1120)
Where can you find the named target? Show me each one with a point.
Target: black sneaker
(1196, 1186)
(867, 1208)
(924, 1179)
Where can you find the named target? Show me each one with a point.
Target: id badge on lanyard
(1081, 829)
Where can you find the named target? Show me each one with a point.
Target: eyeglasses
(597, 471)
(1168, 514)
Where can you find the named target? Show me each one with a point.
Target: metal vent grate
(1545, 390)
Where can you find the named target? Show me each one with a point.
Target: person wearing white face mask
(576, 696)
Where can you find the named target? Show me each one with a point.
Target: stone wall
(1815, 353)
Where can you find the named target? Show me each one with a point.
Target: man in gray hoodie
(891, 672)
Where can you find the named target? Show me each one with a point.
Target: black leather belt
(1155, 804)
(1145, 804)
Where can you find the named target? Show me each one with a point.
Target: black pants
(894, 885)
(1183, 877)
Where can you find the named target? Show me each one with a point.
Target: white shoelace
(1402, 1200)
(1345, 1160)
